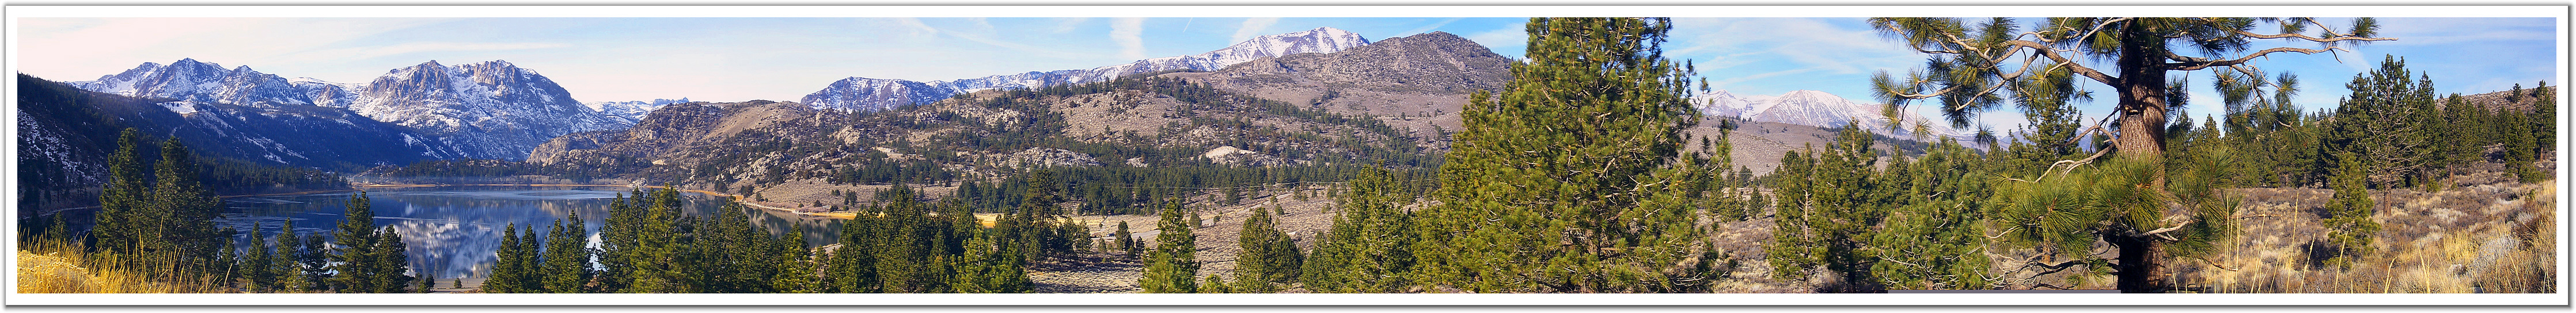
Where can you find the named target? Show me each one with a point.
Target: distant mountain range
(1820, 109)
(631, 111)
(877, 94)
(486, 110)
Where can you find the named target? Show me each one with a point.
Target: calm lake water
(454, 231)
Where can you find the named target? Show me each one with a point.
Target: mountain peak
(1821, 109)
(1318, 40)
(873, 94)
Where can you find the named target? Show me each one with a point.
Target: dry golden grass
(2472, 235)
(61, 271)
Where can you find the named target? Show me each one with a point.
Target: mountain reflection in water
(454, 231)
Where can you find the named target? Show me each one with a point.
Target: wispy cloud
(1065, 25)
(915, 25)
(1806, 42)
(1509, 41)
(1426, 28)
(1723, 83)
(79, 47)
(1253, 27)
(370, 52)
(1129, 33)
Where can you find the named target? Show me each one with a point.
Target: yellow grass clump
(57, 272)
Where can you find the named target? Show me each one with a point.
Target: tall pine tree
(1173, 267)
(1550, 186)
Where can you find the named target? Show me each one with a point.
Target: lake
(454, 231)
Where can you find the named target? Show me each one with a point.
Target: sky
(738, 59)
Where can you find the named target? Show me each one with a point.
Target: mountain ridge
(877, 94)
(487, 110)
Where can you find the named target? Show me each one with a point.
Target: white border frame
(10, 142)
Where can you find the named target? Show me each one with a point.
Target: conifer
(1265, 255)
(1547, 187)
(1173, 266)
(2351, 228)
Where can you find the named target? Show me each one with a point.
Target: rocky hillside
(1821, 109)
(192, 80)
(875, 94)
(65, 134)
(490, 110)
(2501, 100)
(1417, 82)
(1139, 123)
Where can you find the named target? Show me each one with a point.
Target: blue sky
(735, 59)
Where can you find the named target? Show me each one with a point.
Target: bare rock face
(487, 110)
(1051, 157)
(1427, 73)
(492, 110)
(1229, 155)
(684, 133)
(874, 94)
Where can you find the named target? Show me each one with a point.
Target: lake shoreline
(736, 198)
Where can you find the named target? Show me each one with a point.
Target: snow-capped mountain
(1817, 108)
(873, 94)
(491, 110)
(631, 111)
(192, 80)
(488, 110)
(301, 135)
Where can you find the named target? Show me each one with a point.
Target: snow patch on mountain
(192, 80)
(874, 94)
(1821, 109)
(488, 110)
(491, 110)
(630, 111)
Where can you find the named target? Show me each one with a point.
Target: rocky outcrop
(491, 110)
(1050, 157)
(873, 94)
(487, 110)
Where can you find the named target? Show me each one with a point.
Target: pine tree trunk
(2142, 101)
(2142, 266)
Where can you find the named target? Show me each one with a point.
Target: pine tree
(260, 265)
(905, 260)
(1215, 284)
(854, 266)
(190, 210)
(1971, 59)
(506, 268)
(392, 259)
(656, 254)
(1369, 249)
(1933, 236)
(292, 275)
(123, 214)
(982, 269)
(1829, 205)
(796, 274)
(1265, 254)
(353, 248)
(315, 258)
(1173, 266)
(1547, 187)
(1126, 240)
(567, 262)
(2385, 120)
(2349, 222)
